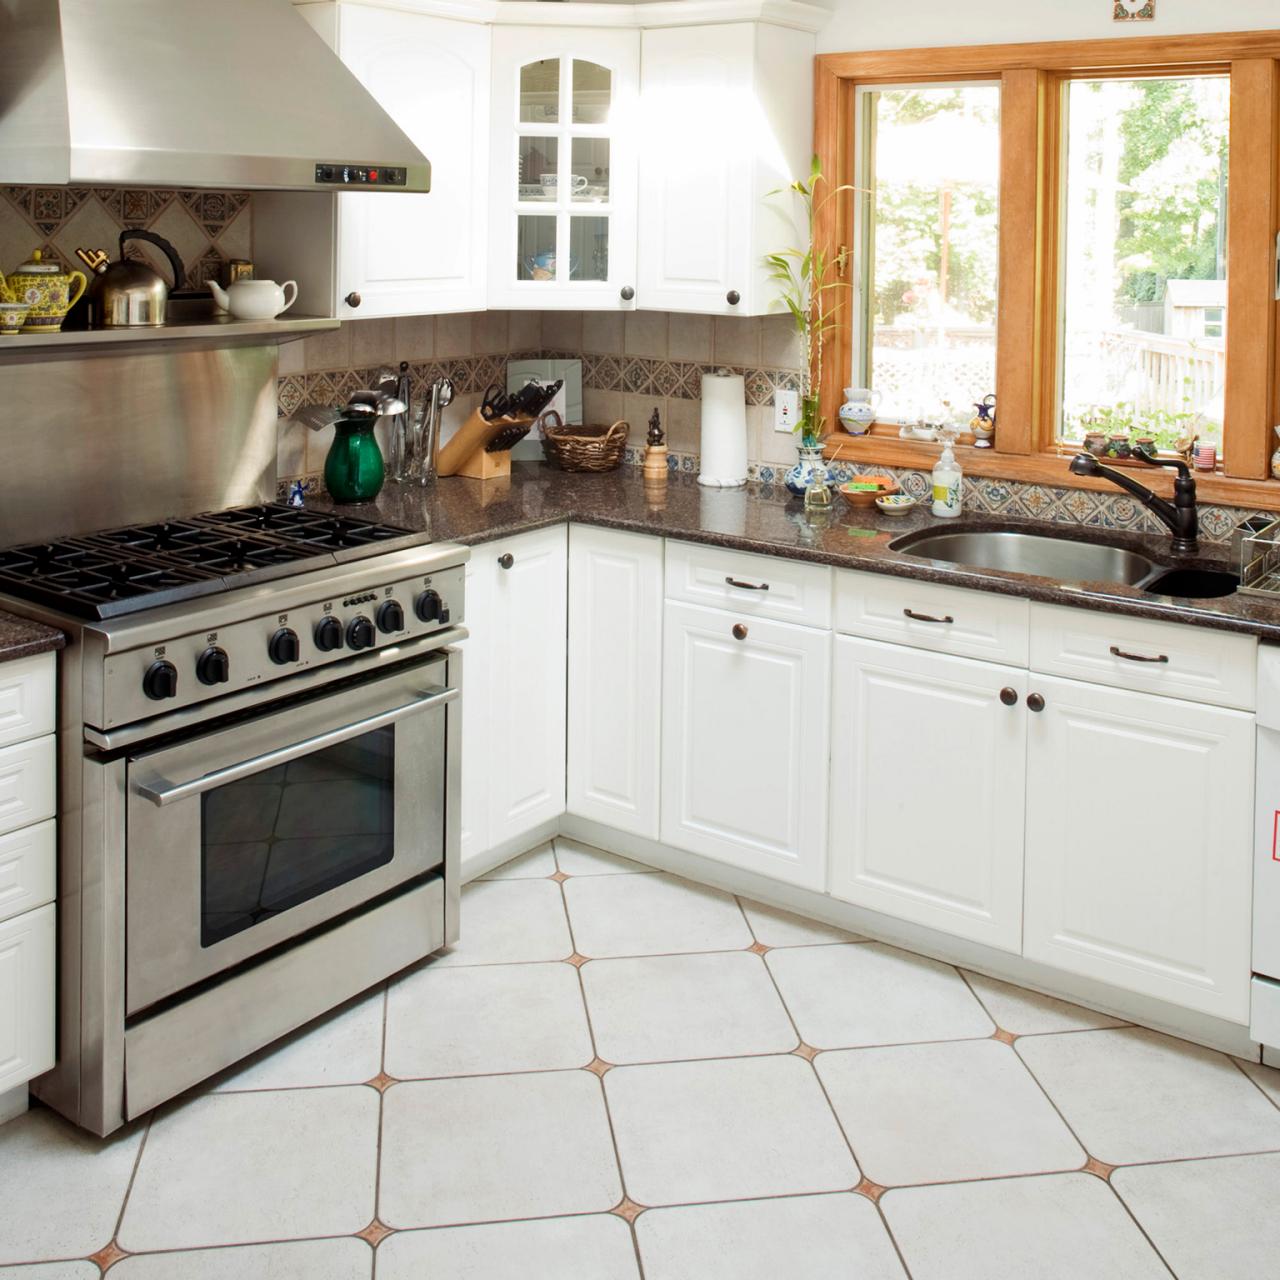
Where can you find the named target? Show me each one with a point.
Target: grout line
(128, 1191)
(1231, 1057)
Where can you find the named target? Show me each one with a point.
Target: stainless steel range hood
(188, 93)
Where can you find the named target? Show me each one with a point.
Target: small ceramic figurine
(655, 455)
(983, 423)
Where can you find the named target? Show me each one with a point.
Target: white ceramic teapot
(859, 409)
(255, 299)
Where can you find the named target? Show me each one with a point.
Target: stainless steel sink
(1030, 553)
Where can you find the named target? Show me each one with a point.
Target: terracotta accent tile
(107, 1256)
(382, 1082)
(628, 1210)
(559, 876)
(759, 948)
(806, 1051)
(599, 1066)
(1005, 1037)
(375, 1232)
(1098, 1168)
(872, 1190)
(576, 959)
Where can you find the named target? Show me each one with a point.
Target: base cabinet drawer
(751, 585)
(28, 868)
(26, 698)
(26, 996)
(27, 792)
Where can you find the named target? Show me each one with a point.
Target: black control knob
(427, 606)
(390, 616)
(283, 647)
(328, 635)
(160, 681)
(360, 633)
(213, 666)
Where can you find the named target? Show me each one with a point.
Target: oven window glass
(288, 834)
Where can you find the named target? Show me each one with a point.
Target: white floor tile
(1056, 1228)
(486, 1019)
(53, 1271)
(833, 1237)
(657, 1008)
(237, 1168)
(493, 1148)
(651, 915)
(728, 1129)
(777, 928)
(582, 860)
(61, 1190)
(1211, 1219)
(593, 1247)
(340, 1048)
(1133, 1095)
(537, 863)
(944, 1112)
(1028, 1013)
(867, 994)
(1266, 1078)
(508, 921)
(300, 1260)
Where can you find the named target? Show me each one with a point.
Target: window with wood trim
(1134, 274)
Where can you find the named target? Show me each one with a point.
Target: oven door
(246, 836)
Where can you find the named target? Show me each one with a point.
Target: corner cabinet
(563, 168)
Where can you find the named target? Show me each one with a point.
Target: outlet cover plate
(786, 409)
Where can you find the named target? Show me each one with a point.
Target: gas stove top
(122, 571)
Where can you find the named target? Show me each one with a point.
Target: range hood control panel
(361, 175)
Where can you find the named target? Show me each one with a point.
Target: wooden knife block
(465, 453)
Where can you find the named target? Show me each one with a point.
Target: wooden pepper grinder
(655, 456)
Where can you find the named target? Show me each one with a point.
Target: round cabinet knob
(213, 666)
(1008, 696)
(1035, 702)
(283, 647)
(160, 681)
(353, 299)
(733, 297)
(328, 635)
(739, 631)
(627, 293)
(360, 633)
(506, 561)
(390, 616)
(427, 606)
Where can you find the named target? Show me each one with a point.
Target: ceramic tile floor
(619, 1075)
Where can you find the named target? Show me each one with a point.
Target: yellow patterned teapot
(49, 292)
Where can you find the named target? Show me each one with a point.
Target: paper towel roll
(724, 430)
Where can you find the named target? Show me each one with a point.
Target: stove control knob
(160, 681)
(283, 647)
(213, 666)
(390, 617)
(360, 633)
(427, 606)
(328, 635)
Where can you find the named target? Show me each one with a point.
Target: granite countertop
(20, 638)
(758, 519)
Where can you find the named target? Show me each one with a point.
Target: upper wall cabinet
(726, 119)
(563, 168)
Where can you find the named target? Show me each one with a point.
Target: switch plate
(786, 410)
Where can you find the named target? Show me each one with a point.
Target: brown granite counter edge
(22, 639)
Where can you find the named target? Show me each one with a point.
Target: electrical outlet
(786, 410)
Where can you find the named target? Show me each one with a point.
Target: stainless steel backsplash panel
(89, 442)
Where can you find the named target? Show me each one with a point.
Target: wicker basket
(582, 448)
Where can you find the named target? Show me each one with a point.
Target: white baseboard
(482, 863)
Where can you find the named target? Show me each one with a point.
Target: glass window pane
(931, 160)
(592, 90)
(590, 167)
(536, 246)
(588, 248)
(540, 91)
(1144, 263)
(538, 168)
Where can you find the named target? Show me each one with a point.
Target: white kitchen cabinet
(745, 724)
(1139, 843)
(563, 167)
(614, 697)
(27, 996)
(927, 774)
(727, 118)
(477, 676)
(410, 254)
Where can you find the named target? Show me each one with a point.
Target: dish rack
(1259, 557)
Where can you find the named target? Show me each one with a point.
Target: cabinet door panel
(1139, 820)
(615, 648)
(745, 741)
(26, 996)
(927, 773)
(477, 678)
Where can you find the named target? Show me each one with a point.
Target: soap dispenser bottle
(946, 479)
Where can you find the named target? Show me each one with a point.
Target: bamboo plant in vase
(802, 278)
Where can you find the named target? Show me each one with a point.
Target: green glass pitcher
(353, 469)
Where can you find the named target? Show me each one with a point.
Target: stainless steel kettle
(130, 293)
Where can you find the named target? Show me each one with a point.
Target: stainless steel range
(258, 809)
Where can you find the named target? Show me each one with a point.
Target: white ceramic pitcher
(255, 299)
(859, 409)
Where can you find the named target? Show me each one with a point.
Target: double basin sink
(1063, 559)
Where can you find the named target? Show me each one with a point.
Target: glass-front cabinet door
(563, 183)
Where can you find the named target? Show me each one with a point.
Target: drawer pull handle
(507, 560)
(739, 631)
(746, 586)
(1137, 657)
(1035, 701)
(924, 617)
(1009, 696)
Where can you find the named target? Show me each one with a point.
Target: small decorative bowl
(12, 316)
(895, 504)
(868, 497)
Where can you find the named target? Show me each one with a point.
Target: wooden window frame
(1031, 78)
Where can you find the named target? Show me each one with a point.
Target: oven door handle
(160, 791)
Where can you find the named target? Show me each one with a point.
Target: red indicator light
(373, 175)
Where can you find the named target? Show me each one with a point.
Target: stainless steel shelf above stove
(219, 330)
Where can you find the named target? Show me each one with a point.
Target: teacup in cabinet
(48, 290)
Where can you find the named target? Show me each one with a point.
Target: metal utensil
(427, 435)
(401, 440)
